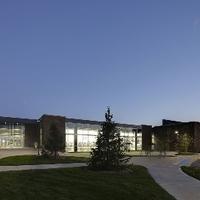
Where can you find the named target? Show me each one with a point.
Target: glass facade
(82, 137)
(153, 142)
(86, 139)
(11, 136)
(129, 139)
(139, 141)
(69, 139)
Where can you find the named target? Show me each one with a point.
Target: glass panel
(87, 136)
(139, 141)
(12, 136)
(69, 139)
(129, 139)
(153, 142)
(86, 142)
(70, 143)
(69, 131)
(87, 132)
(86, 139)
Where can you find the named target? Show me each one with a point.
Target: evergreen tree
(109, 151)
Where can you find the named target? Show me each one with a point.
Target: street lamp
(176, 132)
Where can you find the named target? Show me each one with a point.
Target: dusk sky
(75, 58)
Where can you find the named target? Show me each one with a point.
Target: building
(80, 135)
(18, 133)
(171, 129)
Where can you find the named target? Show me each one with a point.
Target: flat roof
(92, 122)
(13, 120)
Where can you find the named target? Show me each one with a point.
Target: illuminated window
(12, 136)
(69, 140)
(86, 139)
(128, 139)
(139, 141)
(153, 141)
(86, 136)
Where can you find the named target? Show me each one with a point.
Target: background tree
(54, 141)
(162, 142)
(184, 141)
(109, 151)
(162, 145)
(148, 149)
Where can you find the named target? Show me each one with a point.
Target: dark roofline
(176, 124)
(12, 120)
(179, 122)
(48, 115)
(92, 122)
(170, 122)
(81, 121)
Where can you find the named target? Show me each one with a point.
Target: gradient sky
(75, 58)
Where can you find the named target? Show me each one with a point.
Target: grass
(80, 184)
(79, 154)
(34, 160)
(192, 171)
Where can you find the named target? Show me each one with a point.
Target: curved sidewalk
(167, 173)
(42, 166)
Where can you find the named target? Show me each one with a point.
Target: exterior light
(176, 132)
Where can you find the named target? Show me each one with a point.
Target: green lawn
(80, 184)
(192, 171)
(33, 160)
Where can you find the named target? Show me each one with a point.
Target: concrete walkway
(167, 173)
(43, 166)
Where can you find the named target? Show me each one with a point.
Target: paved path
(167, 173)
(43, 166)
